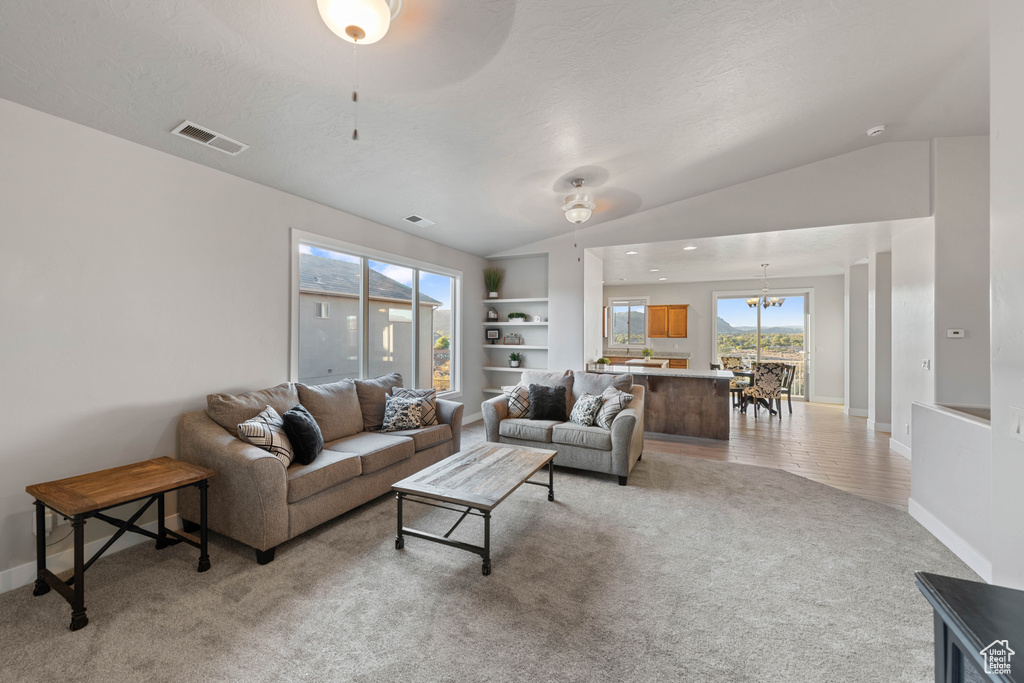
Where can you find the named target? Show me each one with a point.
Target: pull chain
(355, 93)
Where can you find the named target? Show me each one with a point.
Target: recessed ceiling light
(689, 248)
(876, 131)
(630, 253)
(622, 279)
(655, 270)
(662, 278)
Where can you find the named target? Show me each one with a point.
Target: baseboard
(470, 419)
(828, 399)
(25, 574)
(857, 412)
(961, 548)
(899, 448)
(879, 426)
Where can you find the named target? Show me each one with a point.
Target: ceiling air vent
(208, 138)
(419, 220)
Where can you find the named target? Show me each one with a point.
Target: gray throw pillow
(334, 406)
(372, 394)
(400, 413)
(614, 402)
(229, 411)
(586, 409)
(595, 383)
(266, 430)
(428, 403)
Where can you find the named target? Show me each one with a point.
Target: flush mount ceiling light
(764, 299)
(579, 205)
(358, 21)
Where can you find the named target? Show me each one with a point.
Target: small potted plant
(512, 317)
(604, 360)
(492, 280)
(514, 358)
(647, 351)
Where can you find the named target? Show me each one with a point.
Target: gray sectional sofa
(256, 500)
(613, 451)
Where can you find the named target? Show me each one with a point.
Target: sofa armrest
(450, 413)
(628, 434)
(495, 410)
(248, 499)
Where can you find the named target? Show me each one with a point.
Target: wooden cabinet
(679, 363)
(667, 321)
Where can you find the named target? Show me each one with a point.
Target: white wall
(132, 284)
(962, 269)
(827, 332)
(1007, 284)
(856, 376)
(913, 325)
(593, 307)
(879, 341)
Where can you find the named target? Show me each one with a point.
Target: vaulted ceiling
(477, 114)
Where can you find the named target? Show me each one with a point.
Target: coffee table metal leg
(551, 479)
(487, 543)
(78, 618)
(399, 539)
(204, 556)
(41, 587)
(161, 528)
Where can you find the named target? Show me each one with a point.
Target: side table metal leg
(399, 538)
(551, 479)
(487, 543)
(78, 618)
(41, 587)
(161, 529)
(204, 556)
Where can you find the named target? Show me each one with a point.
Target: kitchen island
(681, 402)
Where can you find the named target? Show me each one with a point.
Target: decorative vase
(513, 364)
(493, 295)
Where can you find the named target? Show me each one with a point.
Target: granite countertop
(635, 353)
(663, 372)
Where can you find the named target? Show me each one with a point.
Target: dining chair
(787, 384)
(736, 384)
(767, 386)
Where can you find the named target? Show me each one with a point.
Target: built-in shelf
(515, 346)
(537, 300)
(498, 323)
(502, 368)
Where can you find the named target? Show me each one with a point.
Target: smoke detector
(209, 138)
(876, 131)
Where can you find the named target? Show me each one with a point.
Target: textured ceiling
(804, 252)
(477, 114)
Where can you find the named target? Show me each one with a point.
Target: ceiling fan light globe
(357, 21)
(578, 214)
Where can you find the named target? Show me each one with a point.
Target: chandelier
(764, 299)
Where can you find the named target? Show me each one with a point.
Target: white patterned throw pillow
(401, 413)
(427, 399)
(266, 430)
(586, 409)
(614, 402)
(518, 401)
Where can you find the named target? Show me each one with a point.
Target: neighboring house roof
(321, 275)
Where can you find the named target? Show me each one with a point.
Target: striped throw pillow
(518, 401)
(614, 402)
(427, 400)
(266, 431)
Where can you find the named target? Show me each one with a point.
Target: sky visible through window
(737, 313)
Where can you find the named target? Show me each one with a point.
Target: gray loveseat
(613, 451)
(256, 500)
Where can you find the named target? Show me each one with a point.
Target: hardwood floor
(817, 441)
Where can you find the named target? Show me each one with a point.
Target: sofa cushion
(334, 406)
(586, 409)
(527, 430)
(266, 431)
(229, 410)
(375, 450)
(614, 403)
(428, 403)
(304, 433)
(595, 383)
(547, 403)
(551, 379)
(573, 434)
(330, 468)
(427, 437)
(518, 400)
(372, 393)
(401, 413)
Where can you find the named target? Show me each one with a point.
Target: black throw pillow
(304, 433)
(547, 403)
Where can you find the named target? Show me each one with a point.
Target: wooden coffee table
(88, 495)
(478, 478)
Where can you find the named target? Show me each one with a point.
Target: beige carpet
(696, 571)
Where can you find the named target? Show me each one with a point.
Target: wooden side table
(88, 495)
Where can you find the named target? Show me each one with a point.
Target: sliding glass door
(776, 333)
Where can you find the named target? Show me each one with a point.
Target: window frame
(302, 237)
(610, 319)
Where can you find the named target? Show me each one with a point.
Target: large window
(367, 314)
(628, 322)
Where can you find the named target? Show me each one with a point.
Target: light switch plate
(926, 364)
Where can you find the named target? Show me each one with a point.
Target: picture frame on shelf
(492, 334)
